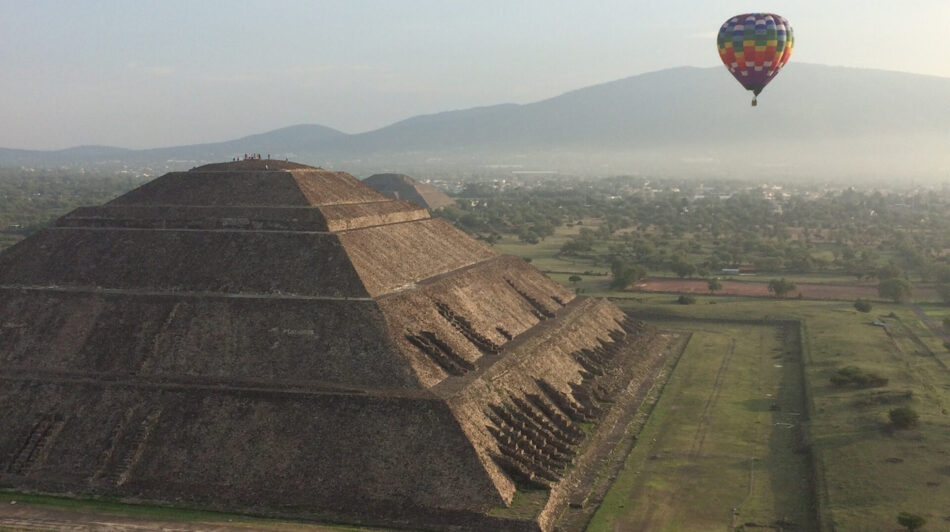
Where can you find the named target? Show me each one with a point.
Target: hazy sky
(157, 73)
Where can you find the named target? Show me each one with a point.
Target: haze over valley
(815, 123)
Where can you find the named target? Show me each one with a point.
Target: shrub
(898, 290)
(855, 377)
(862, 305)
(884, 397)
(686, 299)
(904, 417)
(910, 521)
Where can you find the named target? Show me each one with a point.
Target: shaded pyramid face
(270, 337)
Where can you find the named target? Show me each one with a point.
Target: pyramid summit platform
(272, 338)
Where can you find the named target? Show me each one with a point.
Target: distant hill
(403, 187)
(288, 141)
(695, 105)
(812, 122)
(76, 155)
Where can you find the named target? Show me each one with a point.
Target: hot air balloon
(755, 47)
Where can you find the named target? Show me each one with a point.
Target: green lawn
(724, 435)
(872, 474)
(141, 516)
(8, 240)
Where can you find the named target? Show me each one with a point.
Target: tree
(581, 243)
(768, 264)
(904, 417)
(889, 272)
(910, 521)
(625, 274)
(781, 287)
(862, 305)
(895, 289)
(681, 268)
(940, 273)
(714, 285)
(528, 236)
(574, 279)
(943, 290)
(686, 299)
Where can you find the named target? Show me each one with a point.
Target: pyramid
(403, 187)
(272, 338)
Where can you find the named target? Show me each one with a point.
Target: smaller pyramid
(403, 187)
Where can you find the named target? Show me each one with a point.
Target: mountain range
(813, 122)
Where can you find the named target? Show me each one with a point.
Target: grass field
(871, 473)
(21, 511)
(865, 473)
(7, 240)
(724, 436)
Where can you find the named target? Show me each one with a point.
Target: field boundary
(818, 483)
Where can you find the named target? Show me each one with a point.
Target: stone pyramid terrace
(272, 338)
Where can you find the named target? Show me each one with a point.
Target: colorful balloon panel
(755, 47)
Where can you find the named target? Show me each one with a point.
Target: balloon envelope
(755, 47)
